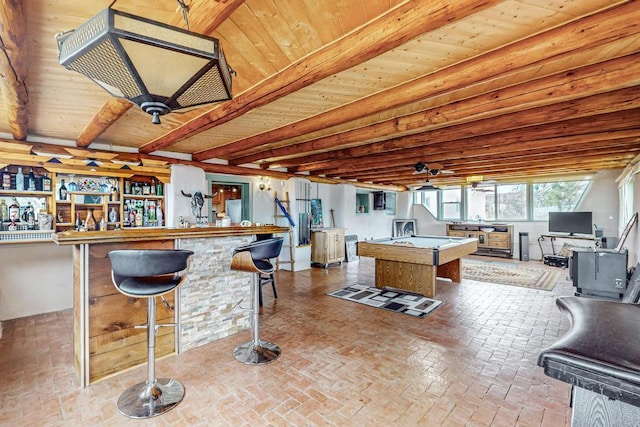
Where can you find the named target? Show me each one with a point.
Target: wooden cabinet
(327, 246)
(493, 239)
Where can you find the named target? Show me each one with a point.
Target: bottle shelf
(21, 193)
(142, 196)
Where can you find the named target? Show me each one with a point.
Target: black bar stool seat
(149, 273)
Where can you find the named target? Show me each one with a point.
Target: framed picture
(351, 248)
(316, 214)
(404, 227)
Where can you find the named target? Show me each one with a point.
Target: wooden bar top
(159, 233)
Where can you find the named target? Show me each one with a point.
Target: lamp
(265, 184)
(155, 66)
(427, 187)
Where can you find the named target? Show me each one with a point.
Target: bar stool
(251, 258)
(268, 253)
(149, 273)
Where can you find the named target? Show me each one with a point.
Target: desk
(413, 263)
(553, 237)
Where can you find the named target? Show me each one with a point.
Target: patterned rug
(505, 273)
(392, 300)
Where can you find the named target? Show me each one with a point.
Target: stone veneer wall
(211, 291)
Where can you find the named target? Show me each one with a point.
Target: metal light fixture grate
(156, 66)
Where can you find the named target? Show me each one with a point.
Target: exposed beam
(13, 66)
(110, 112)
(392, 29)
(582, 34)
(567, 85)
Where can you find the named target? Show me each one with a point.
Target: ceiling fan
(432, 168)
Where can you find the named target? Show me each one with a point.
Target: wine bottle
(31, 181)
(63, 191)
(19, 180)
(153, 187)
(159, 188)
(78, 221)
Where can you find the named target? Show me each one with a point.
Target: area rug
(392, 300)
(509, 274)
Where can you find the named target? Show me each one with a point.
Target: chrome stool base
(146, 400)
(252, 354)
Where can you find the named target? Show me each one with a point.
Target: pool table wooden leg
(452, 270)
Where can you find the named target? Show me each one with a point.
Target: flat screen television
(571, 222)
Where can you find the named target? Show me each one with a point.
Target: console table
(552, 238)
(494, 239)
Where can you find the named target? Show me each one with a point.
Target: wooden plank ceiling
(357, 91)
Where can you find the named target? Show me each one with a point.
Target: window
(512, 202)
(481, 203)
(503, 202)
(556, 197)
(452, 203)
(428, 199)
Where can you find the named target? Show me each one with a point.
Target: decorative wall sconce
(265, 184)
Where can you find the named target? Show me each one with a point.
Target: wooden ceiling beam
(582, 34)
(13, 66)
(437, 141)
(446, 154)
(390, 30)
(614, 74)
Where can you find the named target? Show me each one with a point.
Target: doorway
(229, 198)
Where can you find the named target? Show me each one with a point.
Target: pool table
(412, 263)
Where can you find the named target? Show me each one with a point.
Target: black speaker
(524, 246)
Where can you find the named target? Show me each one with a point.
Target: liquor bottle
(46, 183)
(30, 217)
(159, 215)
(19, 180)
(6, 179)
(78, 221)
(90, 222)
(159, 188)
(113, 215)
(4, 211)
(132, 217)
(138, 217)
(14, 210)
(31, 181)
(103, 224)
(125, 213)
(63, 191)
(114, 193)
(146, 188)
(127, 186)
(153, 187)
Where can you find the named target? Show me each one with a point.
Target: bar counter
(106, 341)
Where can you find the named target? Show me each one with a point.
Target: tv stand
(552, 238)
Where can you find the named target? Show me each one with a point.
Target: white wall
(36, 278)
